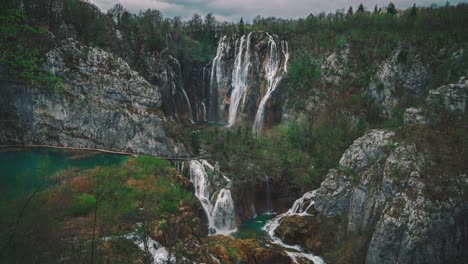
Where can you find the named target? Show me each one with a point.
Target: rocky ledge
(102, 103)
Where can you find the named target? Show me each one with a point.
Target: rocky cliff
(102, 103)
(398, 197)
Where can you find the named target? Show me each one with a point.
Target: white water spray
(240, 78)
(221, 215)
(273, 78)
(216, 77)
(204, 111)
(300, 208)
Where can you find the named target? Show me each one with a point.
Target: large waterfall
(273, 78)
(300, 208)
(218, 205)
(244, 75)
(240, 77)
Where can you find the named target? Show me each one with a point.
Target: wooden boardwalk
(97, 150)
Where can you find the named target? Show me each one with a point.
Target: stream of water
(299, 208)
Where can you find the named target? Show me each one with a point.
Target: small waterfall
(268, 195)
(221, 215)
(188, 105)
(300, 208)
(204, 98)
(203, 84)
(285, 50)
(181, 85)
(159, 254)
(254, 212)
(216, 77)
(240, 79)
(204, 111)
(273, 79)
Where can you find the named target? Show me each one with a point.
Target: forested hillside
(361, 112)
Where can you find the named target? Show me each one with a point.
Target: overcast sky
(233, 10)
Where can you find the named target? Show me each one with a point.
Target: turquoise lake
(22, 170)
(253, 228)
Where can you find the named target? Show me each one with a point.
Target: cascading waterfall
(240, 79)
(204, 111)
(221, 215)
(273, 79)
(300, 208)
(285, 51)
(203, 98)
(181, 85)
(237, 67)
(216, 77)
(159, 254)
(188, 105)
(203, 84)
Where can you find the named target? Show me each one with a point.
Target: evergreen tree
(210, 23)
(350, 11)
(376, 10)
(414, 10)
(360, 9)
(196, 23)
(391, 9)
(241, 26)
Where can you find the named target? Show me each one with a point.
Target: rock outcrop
(233, 250)
(452, 97)
(400, 79)
(337, 66)
(102, 103)
(392, 192)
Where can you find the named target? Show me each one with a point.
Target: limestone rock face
(414, 116)
(102, 104)
(452, 97)
(385, 190)
(333, 195)
(243, 251)
(336, 66)
(400, 78)
(365, 150)
(414, 228)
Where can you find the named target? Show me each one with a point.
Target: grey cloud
(248, 9)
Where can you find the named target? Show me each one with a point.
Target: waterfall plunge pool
(254, 228)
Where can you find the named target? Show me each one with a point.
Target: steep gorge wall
(391, 194)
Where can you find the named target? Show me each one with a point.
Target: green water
(253, 228)
(22, 170)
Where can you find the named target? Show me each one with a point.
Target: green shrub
(150, 165)
(22, 50)
(396, 119)
(82, 204)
